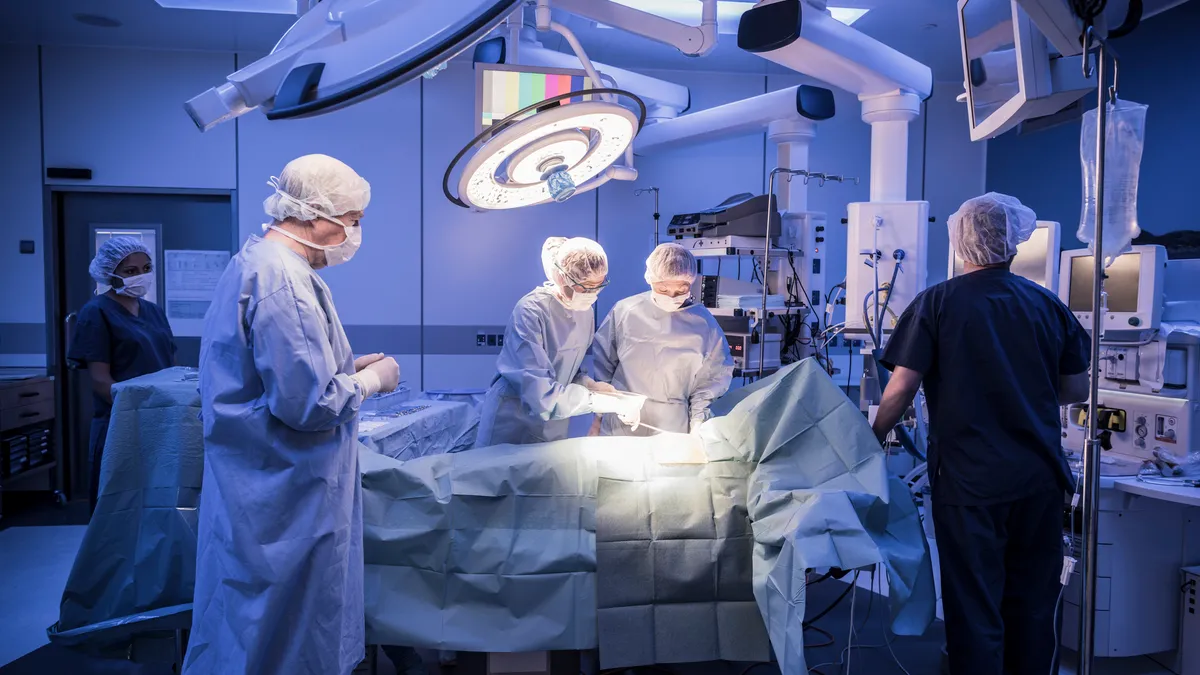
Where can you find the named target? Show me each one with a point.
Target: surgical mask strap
(274, 182)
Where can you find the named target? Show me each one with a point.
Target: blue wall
(1160, 67)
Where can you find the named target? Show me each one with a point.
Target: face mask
(335, 254)
(135, 286)
(578, 302)
(668, 303)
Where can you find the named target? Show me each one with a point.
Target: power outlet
(500, 340)
(491, 340)
(480, 340)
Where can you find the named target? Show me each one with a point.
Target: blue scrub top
(132, 346)
(991, 346)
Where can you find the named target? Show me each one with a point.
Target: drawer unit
(38, 391)
(23, 416)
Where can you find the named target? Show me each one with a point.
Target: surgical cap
(316, 185)
(670, 262)
(579, 257)
(111, 253)
(986, 230)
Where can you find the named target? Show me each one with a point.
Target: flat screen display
(504, 91)
(1121, 283)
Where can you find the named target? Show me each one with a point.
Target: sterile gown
(539, 384)
(679, 360)
(279, 569)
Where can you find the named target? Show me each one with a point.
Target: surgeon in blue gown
(664, 345)
(119, 335)
(540, 383)
(279, 569)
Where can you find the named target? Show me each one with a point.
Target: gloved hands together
(602, 387)
(377, 374)
(627, 408)
(366, 360)
(389, 374)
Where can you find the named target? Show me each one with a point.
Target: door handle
(67, 323)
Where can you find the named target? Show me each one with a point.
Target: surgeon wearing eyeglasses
(540, 383)
(665, 346)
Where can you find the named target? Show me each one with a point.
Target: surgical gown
(679, 360)
(279, 569)
(539, 384)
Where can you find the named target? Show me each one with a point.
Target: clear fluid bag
(1125, 137)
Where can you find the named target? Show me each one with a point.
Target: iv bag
(1124, 139)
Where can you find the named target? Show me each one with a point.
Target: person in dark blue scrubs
(119, 336)
(998, 355)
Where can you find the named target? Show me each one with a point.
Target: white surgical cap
(316, 185)
(110, 255)
(986, 230)
(670, 262)
(579, 257)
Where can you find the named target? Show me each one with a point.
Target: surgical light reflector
(551, 154)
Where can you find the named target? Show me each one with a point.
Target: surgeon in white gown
(279, 560)
(540, 384)
(664, 345)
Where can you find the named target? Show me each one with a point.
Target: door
(164, 222)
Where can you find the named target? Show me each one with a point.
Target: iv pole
(638, 192)
(1091, 455)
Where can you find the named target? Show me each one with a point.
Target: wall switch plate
(27, 246)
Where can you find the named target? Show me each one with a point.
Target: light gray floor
(34, 565)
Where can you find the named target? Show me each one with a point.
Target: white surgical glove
(366, 360)
(627, 408)
(382, 376)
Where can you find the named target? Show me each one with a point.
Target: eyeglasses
(582, 286)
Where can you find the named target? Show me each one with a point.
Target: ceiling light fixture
(728, 13)
(96, 20)
(547, 156)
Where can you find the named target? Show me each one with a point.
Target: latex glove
(382, 376)
(602, 387)
(595, 428)
(627, 408)
(366, 360)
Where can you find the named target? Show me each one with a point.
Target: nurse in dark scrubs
(119, 336)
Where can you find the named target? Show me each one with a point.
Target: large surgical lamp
(548, 151)
(345, 51)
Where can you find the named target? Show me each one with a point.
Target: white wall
(24, 305)
(430, 274)
(119, 112)
(378, 294)
(955, 168)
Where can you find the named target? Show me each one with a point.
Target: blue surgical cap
(110, 255)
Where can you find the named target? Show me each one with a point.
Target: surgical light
(345, 52)
(728, 13)
(552, 154)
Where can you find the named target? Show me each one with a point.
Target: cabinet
(28, 448)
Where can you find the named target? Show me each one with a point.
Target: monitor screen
(505, 90)
(1121, 283)
(1030, 261)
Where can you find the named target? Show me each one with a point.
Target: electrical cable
(822, 631)
(820, 615)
